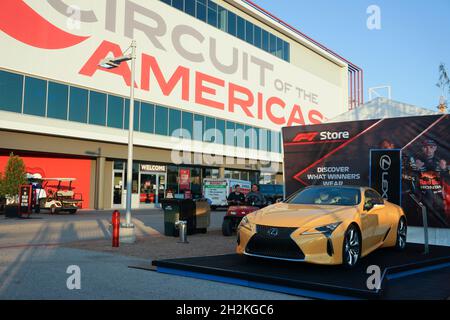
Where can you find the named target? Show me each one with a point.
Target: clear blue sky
(406, 52)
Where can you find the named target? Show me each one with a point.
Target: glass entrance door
(117, 187)
(161, 186)
(148, 189)
(152, 188)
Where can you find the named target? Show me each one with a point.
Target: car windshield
(338, 196)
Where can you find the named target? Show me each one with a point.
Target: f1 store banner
(181, 62)
(402, 158)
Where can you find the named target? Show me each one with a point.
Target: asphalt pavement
(34, 260)
(36, 253)
(41, 273)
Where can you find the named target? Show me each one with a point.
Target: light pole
(111, 63)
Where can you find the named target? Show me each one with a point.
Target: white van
(217, 190)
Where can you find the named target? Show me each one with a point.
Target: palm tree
(444, 85)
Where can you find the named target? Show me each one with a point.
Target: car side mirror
(368, 205)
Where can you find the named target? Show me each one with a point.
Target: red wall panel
(60, 168)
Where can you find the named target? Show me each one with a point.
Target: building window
(231, 28)
(147, 118)
(126, 123)
(240, 28)
(179, 4)
(172, 178)
(263, 138)
(119, 165)
(97, 108)
(210, 134)
(161, 119)
(35, 96)
(286, 51)
(115, 112)
(187, 122)
(257, 35)
(254, 176)
(201, 10)
(199, 127)
(196, 181)
(210, 173)
(220, 131)
(272, 44)
(222, 18)
(189, 7)
(174, 122)
(212, 14)
(78, 105)
(240, 135)
(11, 87)
(279, 51)
(230, 139)
(265, 40)
(249, 32)
(219, 17)
(135, 177)
(249, 138)
(57, 101)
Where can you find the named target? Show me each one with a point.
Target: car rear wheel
(227, 228)
(402, 231)
(351, 250)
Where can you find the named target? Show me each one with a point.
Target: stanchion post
(425, 224)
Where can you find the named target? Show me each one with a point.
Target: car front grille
(274, 242)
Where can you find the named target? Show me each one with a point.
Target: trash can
(202, 215)
(175, 210)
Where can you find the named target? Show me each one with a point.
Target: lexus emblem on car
(273, 232)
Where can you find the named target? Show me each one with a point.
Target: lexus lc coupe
(323, 225)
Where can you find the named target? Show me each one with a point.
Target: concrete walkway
(85, 225)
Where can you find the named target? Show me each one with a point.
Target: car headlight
(245, 224)
(326, 229)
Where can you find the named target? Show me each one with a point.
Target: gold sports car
(323, 225)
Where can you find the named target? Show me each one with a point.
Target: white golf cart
(59, 196)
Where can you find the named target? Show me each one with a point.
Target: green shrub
(13, 177)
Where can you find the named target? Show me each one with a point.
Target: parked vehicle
(235, 213)
(217, 190)
(59, 196)
(324, 225)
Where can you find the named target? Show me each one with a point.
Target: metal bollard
(182, 227)
(116, 228)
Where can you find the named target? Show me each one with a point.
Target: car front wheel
(351, 250)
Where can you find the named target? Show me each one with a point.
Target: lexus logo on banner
(385, 174)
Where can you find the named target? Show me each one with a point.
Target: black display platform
(327, 282)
